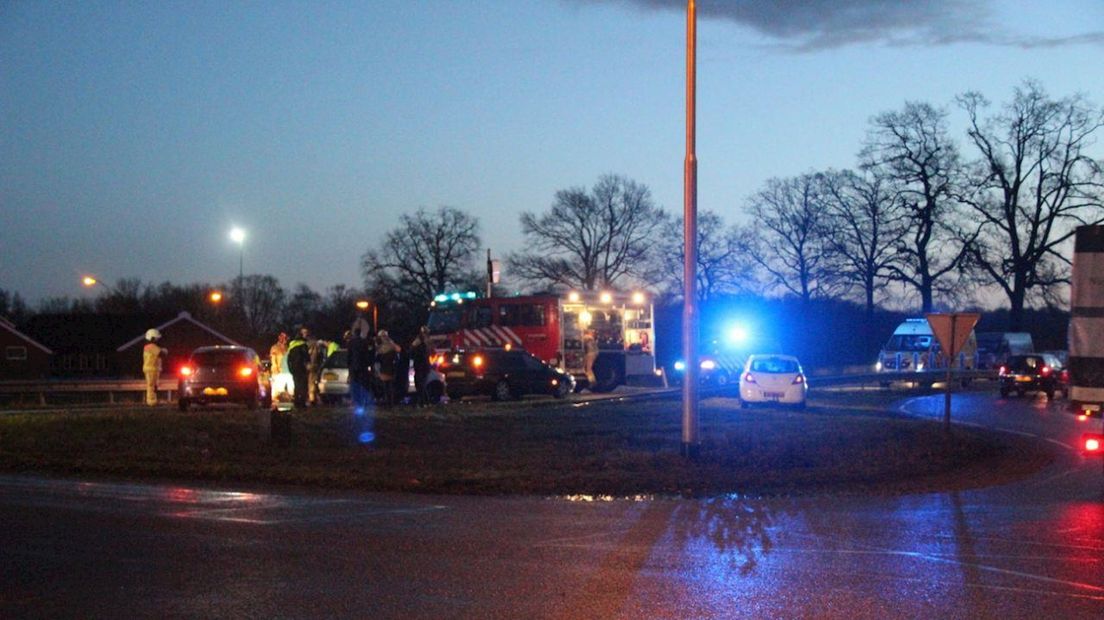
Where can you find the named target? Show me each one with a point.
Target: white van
(913, 347)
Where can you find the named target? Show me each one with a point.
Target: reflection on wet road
(1018, 551)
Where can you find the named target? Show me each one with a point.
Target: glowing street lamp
(362, 305)
(215, 297)
(237, 235)
(88, 281)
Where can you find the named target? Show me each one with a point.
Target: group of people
(377, 364)
(303, 358)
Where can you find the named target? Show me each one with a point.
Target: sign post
(952, 330)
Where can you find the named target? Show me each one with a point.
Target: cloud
(811, 25)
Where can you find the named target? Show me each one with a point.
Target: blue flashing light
(737, 335)
(458, 296)
(366, 437)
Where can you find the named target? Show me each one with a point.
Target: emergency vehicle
(551, 327)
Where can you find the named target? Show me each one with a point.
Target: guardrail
(134, 389)
(885, 378)
(39, 389)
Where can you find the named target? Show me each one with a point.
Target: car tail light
(1046, 371)
(1064, 376)
(798, 380)
(245, 371)
(186, 371)
(477, 361)
(748, 378)
(1092, 444)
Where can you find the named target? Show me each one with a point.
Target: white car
(773, 379)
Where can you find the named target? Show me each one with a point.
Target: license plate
(454, 375)
(215, 391)
(1023, 379)
(773, 394)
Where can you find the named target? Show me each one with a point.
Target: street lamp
(88, 281)
(362, 305)
(237, 235)
(215, 297)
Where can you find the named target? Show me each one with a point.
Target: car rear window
(1025, 363)
(774, 365)
(219, 358)
(339, 359)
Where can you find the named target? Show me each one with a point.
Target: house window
(101, 362)
(15, 353)
(84, 365)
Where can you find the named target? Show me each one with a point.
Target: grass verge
(608, 449)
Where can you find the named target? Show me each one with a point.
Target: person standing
(387, 356)
(298, 364)
(277, 352)
(151, 364)
(317, 349)
(590, 354)
(419, 356)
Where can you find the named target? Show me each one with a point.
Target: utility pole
(691, 442)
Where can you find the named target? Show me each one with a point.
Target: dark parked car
(1038, 372)
(222, 374)
(502, 375)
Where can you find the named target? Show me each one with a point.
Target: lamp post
(237, 235)
(691, 441)
(362, 305)
(89, 281)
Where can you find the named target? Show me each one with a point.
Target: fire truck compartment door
(639, 363)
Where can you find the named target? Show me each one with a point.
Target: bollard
(280, 427)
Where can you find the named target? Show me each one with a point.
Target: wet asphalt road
(1028, 550)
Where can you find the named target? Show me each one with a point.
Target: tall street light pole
(237, 235)
(691, 442)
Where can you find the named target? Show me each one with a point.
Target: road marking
(943, 560)
(1015, 432)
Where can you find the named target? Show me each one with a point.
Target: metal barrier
(41, 388)
(923, 376)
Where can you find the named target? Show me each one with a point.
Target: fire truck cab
(551, 327)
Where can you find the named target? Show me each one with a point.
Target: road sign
(953, 330)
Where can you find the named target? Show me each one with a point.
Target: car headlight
(708, 365)
(680, 366)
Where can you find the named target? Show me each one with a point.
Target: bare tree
(590, 240)
(428, 253)
(791, 242)
(867, 224)
(258, 301)
(725, 265)
(911, 148)
(1034, 185)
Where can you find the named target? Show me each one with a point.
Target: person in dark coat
(419, 356)
(388, 356)
(298, 362)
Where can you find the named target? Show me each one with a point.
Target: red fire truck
(551, 327)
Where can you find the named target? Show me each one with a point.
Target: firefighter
(151, 364)
(590, 353)
(298, 364)
(277, 352)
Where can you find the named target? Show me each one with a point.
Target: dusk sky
(133, 136)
